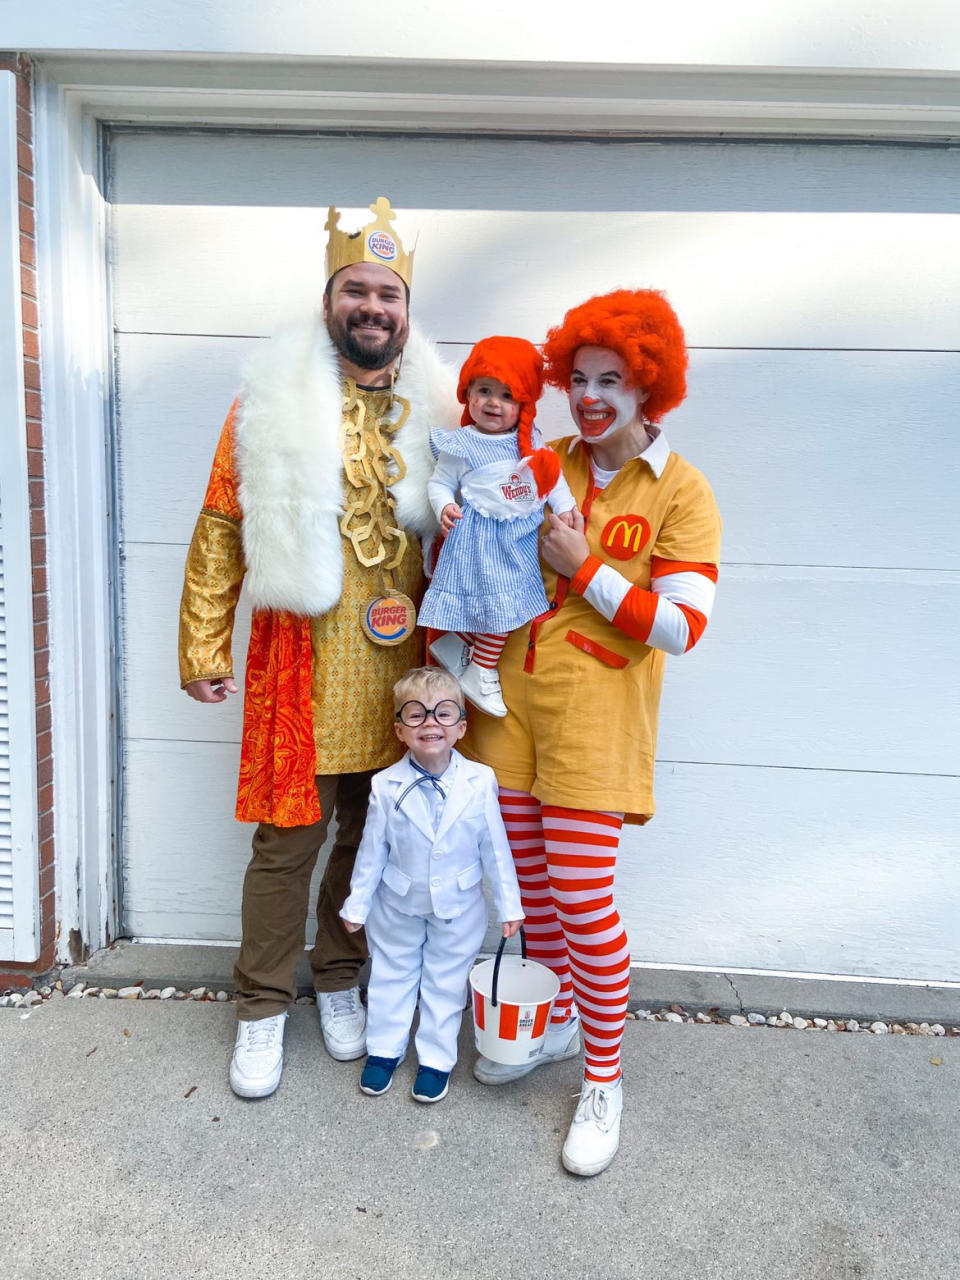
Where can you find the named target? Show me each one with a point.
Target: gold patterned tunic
(350, 678)
(353, 678)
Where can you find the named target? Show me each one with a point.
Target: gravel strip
(751, 1021)
(20, 999)
(675, 1013)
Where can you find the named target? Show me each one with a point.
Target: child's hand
(510, 927)
(570, 517)
(450, 514)
(351, 926)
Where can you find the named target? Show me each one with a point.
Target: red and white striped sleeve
(671, 616)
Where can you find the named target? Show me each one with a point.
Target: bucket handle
(496, 963)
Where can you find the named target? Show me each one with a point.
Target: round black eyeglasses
(446, 712)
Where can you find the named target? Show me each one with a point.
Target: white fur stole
(290, 466)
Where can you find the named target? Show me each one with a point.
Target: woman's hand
(564, 547)
(510, 927)
(450, 514)
(351, 926)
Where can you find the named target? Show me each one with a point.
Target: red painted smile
(594, 422)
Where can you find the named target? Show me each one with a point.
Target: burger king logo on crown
(382, 245)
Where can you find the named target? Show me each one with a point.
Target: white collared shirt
(655, 455)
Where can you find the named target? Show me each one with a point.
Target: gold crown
(377, 242)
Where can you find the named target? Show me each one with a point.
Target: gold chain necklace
(371, 465)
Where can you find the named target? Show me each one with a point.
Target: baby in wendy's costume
(492, 479)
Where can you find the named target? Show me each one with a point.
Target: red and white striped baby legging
(487, 646)
(565, 860)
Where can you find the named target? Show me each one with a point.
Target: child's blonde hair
(430, 680)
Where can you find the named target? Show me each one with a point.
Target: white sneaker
(558, 1045)
(343, 1021)
(452, 653)
(594, 1133)
(257, 1061)
(482, 687)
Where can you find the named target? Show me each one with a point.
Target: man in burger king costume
(630, 582)
(317, 494)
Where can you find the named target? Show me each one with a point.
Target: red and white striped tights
(487, 647)
(565, 861)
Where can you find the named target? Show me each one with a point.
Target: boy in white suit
(433, 829)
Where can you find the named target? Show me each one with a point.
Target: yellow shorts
(580, 732)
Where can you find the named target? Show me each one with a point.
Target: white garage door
(807, 784)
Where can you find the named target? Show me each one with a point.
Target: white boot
(481, 686)
(452, 653)
(257, 1062)
(594, 1134)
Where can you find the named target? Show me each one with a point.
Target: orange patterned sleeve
(221, 496)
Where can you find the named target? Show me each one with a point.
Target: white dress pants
(408, 953)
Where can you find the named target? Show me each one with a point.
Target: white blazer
(400, 850)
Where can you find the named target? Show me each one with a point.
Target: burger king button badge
(388, 619)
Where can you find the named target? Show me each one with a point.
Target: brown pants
(276, 888)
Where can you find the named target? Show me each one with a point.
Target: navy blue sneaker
(431, 1085)
(377, 1075)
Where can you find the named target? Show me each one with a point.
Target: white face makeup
(601, 402)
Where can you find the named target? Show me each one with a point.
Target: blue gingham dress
(487, 578)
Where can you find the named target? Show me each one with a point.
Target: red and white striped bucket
(512, 1000)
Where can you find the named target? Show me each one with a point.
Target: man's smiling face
(365, 310)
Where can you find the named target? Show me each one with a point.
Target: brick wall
(11, 975)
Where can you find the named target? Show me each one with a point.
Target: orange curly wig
(519, 366)
(642, 327)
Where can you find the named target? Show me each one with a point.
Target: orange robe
(317, 692)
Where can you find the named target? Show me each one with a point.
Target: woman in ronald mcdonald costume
(632, 580)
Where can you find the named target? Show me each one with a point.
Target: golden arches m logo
(623, 537)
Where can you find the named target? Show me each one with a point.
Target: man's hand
(510, 927)
(450, 514)
(211, 690)
(564, 548)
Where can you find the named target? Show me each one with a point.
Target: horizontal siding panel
(802, 870)
(797, 668)
(716, 268)
(743, 867)
(808, 460)
(824, 669)
(786, 246)
(155, 705)
(174, 167)
(187, 792)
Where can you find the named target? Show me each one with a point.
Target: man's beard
(367, 353)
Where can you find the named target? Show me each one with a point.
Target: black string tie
(425, 776)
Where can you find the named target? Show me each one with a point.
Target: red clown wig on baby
(519, 366)
(642, 327)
